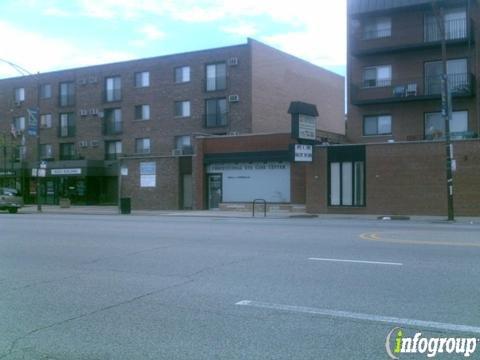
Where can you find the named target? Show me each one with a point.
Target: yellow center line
(376, 237)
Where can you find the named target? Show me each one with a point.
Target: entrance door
(214, 182)
(187, 191)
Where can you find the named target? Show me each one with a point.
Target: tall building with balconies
(395, 69)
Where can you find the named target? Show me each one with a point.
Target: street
(158, 287)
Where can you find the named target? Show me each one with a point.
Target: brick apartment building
(394, 69)
(140, 118)
(396, 161)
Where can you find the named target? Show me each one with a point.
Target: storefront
(81, 182)
(247, 181)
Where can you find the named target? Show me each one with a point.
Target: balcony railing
(418, 35)
(399, 90)
(111, 95)
(66, 131)
(216, 83)
(216, 120)
(460, 135)
(112, 127)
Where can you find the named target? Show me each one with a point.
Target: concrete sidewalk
(113, 210)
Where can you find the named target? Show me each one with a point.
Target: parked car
(10, 200)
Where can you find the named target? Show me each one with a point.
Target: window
(67, 151)
(67, 125)
(19, 123)
(216, 112)
(21, 153)
(113, 89)
(347, 181)
(113, 149)
(142, 112)
(455, 22)
(457, 72)
(113, 122)
(19, 95)
(182, 108)
(67, 94)
(183, 142)
(435, 125)
(377, 28)
(142, 146)
(182, 74)
(46, 151)
(377, 125)
(45, 91)
(46, 121)
(216, 75)
(377, 76)
(142, 79)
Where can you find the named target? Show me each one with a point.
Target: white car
(10, 200)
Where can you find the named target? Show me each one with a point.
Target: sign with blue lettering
(32, 122)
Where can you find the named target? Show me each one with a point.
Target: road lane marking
(357, 261)
(376, 237)
(365, 317)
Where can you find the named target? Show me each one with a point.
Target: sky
(46, 35)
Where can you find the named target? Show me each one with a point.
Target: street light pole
(446, 109)
(25, 72)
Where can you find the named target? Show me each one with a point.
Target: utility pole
(446, 107)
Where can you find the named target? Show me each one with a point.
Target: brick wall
(279, 78)
(405, 178)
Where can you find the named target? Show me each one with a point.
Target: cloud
(55, 11)
(242, 29)
(27, 49)
(151, 32)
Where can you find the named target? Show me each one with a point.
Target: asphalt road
(151, 287)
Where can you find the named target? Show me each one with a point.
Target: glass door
(214, 183)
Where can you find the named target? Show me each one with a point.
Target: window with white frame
(377, 125)
(347, 183)
(216, 76)
(377, 28)
(435, 125)
(46, 121)
(142, 79)
(182, 74)
(113, 88)
(455, 23)
(183, 142)
(113, 149)
(19, 95)
(142, 112)
(377, 76)
(142, 146)
(182, 108)
(19, 123)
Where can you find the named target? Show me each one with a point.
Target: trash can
(125, 206)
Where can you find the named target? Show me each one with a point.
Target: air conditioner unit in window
(233, 98)
(233, 61)
(83, 144)
(93, 112)
(177, 152)
(83, 112)
(233, 133)
(101, 114)
(18, 103)
(82, 82)
(92, 79)
(94, 143)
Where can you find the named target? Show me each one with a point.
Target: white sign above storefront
(66, 171)
(303, 153)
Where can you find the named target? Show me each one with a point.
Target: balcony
(412, 37)
(414, 89)
(112, 95)
(112, 127)
(216, 120)
(463, 135)
(66, 131)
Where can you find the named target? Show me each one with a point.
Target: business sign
(39, 172)
(303, 153)
(32, 122)
(148, 171)
(66, 171)
(307, 127)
